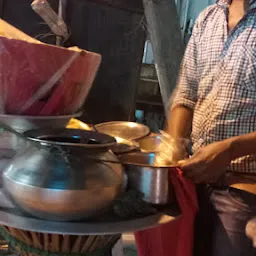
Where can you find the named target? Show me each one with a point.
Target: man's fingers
(181, 162)
(196, 171)
(190, 165)
(191, 171)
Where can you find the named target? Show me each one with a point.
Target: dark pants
(221, 222)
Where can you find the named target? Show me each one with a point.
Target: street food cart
(115, 83)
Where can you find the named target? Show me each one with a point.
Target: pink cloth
(174, 238)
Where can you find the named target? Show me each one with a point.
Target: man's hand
(170, 150)
(251, 231)
(208, 164)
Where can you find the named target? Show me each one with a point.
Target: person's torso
(226, 68)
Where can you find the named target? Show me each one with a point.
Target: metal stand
(11, 217)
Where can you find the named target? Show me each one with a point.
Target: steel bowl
(152, 181)
(150, 143)
(22, 124)
(125, 130)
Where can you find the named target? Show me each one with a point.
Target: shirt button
(201, 141)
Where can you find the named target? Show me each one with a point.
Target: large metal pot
(59, 181)
(152, 181)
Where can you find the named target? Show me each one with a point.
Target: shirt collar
(252, 3)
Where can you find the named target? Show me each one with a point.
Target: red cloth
(174, 238)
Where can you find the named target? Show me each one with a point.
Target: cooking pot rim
(126, 160)
(40, 135)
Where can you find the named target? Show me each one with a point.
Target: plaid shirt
(218, 79)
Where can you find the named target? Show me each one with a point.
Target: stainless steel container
(153, 182)
(60, 181)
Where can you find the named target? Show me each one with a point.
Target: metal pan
(152, 181)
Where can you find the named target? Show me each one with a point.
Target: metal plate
(12, 217)
(22, 123)
(125, 130)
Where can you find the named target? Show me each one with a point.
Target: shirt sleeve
(185, 93)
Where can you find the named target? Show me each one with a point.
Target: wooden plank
(164, 28)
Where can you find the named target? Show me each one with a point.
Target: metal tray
(12, 217)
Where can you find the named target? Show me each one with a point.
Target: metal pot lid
(71, 137)
(125, 130)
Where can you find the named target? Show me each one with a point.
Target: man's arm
(179, 122)
(251, 231)
(184, 97)
(173, 148)
(242, 145)
(208, 164)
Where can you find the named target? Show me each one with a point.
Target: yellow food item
(77, 124)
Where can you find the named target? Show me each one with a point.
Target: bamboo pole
(168, 48)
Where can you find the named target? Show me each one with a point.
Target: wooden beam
(168, 48)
